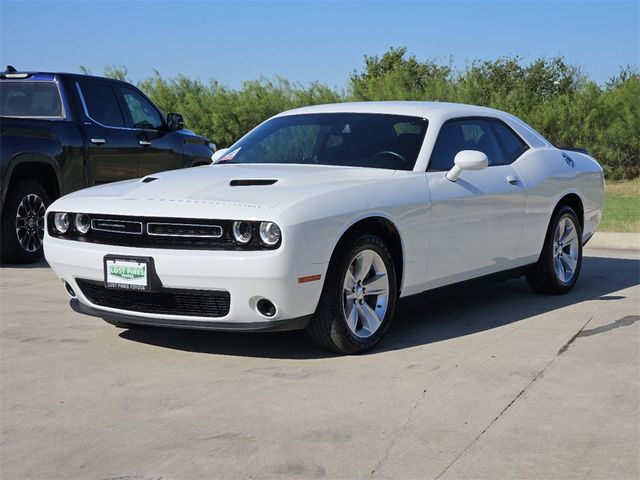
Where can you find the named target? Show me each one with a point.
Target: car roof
(50, 76)
(411, 108)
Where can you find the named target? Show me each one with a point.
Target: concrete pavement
(480, 381)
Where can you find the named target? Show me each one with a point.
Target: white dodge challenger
(322, 217)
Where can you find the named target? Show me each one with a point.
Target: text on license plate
(127, 274)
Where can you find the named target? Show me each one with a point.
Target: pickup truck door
(159, 148)
(111, 147)
(476, 221)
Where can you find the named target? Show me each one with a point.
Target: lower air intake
(168, 301)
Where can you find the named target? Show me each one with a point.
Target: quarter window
(512, 145)
(143, 115)
(102, 105)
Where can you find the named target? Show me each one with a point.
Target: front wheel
(358, 298)
(557, 270)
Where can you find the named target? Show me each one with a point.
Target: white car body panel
(449, 231)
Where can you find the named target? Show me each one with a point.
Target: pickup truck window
(143, 115)
(30, 100)
(101, 104)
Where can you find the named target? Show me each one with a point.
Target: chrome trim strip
(184, 225)
(86, 113)
(115, 221)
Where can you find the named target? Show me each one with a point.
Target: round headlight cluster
(268, 232)
(82, 223)
(62, 222)
(242, 232)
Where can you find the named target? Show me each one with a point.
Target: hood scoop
(247, 182)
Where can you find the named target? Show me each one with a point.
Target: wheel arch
(383, 227)
(40, 168)
(571, 199)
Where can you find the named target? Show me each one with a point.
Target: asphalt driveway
(480, 381)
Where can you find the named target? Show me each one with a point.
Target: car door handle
(144, 143)
(98, 141)
(513, 180)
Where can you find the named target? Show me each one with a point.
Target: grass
(621, 207)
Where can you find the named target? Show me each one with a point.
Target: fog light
(82, 223)
(70, 290)
(266, 308)
(61, 222)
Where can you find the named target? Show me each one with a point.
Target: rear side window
(512, 145)
(30, 99)
(102, 104)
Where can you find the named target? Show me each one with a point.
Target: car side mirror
(467, 160)
(218, 154)
(175, 121)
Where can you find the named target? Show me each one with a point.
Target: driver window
(464, 134)
(143, 115)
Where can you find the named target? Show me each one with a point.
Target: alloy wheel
(565, 250)
(30, 222)
(365, 293)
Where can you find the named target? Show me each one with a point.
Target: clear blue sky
(306, 41)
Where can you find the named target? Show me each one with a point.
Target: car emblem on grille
(117, 226)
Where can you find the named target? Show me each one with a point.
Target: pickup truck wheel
(358, 298)
(23, 223)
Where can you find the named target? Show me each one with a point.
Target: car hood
(243, 186)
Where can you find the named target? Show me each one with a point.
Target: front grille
(168, 301)
(160, 232)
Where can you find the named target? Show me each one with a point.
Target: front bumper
(248, 276)
(263, 326)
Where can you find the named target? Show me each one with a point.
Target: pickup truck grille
(194, 303)
(155, 232)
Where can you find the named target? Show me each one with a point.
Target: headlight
(61, 222)
(269, 233)
(82, 223)
(242, 232)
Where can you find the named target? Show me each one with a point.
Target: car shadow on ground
(430, 317)
(39, 264)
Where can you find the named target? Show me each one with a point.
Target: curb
(615, 241)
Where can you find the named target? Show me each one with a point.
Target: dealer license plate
(126, 273)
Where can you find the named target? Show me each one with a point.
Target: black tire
(543, 277)
(12, 249)
(328, 328)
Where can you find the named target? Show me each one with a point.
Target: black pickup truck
(61, 132)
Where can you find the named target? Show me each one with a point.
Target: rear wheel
(557, 270)
(358, 297)
(23, 222)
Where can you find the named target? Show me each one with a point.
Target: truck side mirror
(175, 121)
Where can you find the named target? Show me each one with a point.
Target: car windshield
(344, 139)
(29, 99)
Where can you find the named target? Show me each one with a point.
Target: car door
(476, 221)
(160, 149)
(111, 147)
